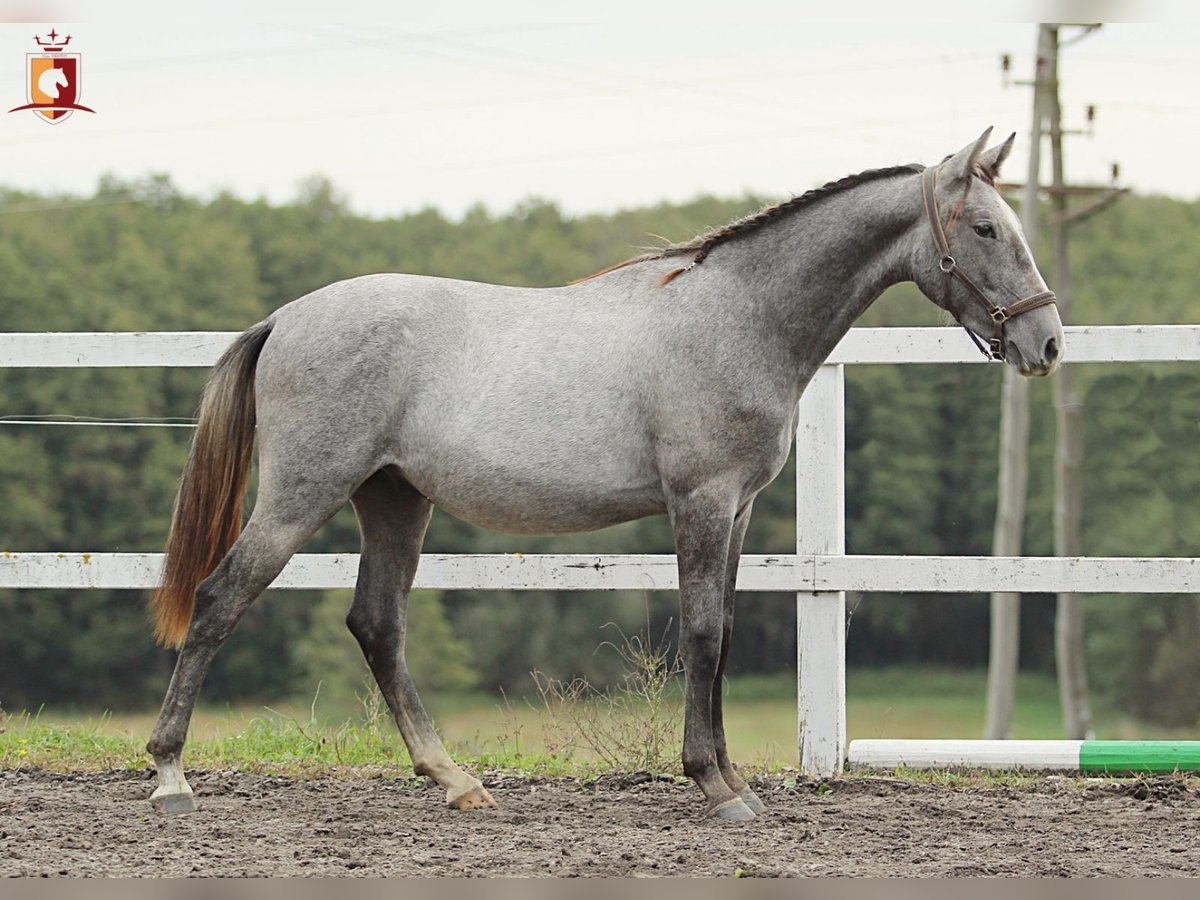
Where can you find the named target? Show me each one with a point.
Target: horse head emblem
(52, 80)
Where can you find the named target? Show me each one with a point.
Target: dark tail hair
(208, 510)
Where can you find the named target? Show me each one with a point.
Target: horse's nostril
(1051, 352)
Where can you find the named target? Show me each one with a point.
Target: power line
(100, 422)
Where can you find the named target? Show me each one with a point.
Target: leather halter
(996, 346)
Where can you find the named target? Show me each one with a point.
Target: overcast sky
(495, 102)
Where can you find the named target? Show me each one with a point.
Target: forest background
(921, 455)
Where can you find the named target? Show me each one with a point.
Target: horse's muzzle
(1038, 363)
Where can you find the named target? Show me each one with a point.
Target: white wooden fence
(819, 573)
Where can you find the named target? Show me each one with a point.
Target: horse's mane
(702, 244)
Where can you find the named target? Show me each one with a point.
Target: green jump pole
(1139, 756)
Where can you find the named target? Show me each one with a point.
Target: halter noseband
(996, 346)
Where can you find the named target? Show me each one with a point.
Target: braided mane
(701, 245)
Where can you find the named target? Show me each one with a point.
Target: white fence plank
(1024, 574)
(52, 350)
(806, 574)
(1084, 343)
(821, 616)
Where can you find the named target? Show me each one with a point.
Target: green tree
(139, 254)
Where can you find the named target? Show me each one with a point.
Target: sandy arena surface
(55, 824)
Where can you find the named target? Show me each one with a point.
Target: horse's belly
(547, 448)
(519, 502)
(539, 488)
(549, 514)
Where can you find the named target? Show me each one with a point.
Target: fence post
(821, 616)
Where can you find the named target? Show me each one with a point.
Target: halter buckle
(997, 347)
(999, 315)
(947, 264)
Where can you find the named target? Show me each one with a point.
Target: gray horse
(667, 384)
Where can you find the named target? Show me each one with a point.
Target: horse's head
(973, 261)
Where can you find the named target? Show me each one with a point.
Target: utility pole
(1068, 457)
(1069, 648)
(1013, 478)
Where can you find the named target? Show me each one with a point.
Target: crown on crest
(53, 45)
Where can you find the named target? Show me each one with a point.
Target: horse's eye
(984, 230)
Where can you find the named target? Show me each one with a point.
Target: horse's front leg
(735, 781)
(703, 524)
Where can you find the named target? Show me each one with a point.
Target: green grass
(94, 745)
(264, 743)
(490, 733)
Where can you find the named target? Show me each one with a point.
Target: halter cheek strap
(996, 347)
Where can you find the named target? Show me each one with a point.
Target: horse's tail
(208, 510)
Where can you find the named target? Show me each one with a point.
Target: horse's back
(475, 392)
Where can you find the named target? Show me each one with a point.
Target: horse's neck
(811, 274)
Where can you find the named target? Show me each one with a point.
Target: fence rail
(632, 572)
(192, 349)
(819, 573)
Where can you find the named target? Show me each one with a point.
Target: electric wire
(100, 421)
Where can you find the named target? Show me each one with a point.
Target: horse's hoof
(734, 810)
(174, 804)
(475, 798)
(751, 800)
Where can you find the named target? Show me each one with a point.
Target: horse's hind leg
(275, 531)
(393, 517)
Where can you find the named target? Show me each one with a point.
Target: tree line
(921, 452)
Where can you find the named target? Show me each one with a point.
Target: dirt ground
(53, 824)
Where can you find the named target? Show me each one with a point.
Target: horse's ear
(962, 163)
(991, 160)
